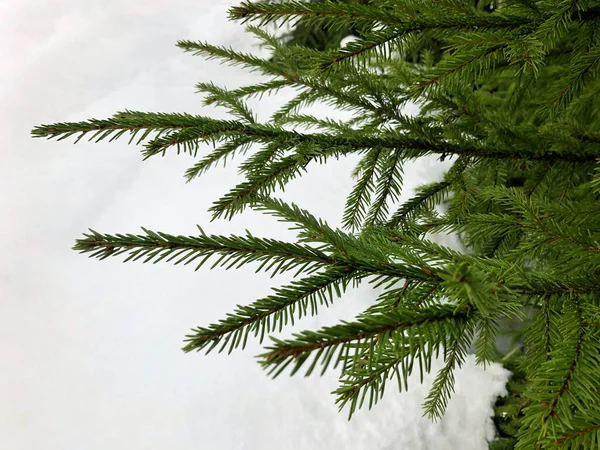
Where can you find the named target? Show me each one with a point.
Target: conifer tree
(513, 101)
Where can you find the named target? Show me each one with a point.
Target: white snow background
(90, 350)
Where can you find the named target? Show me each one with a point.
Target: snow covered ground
(89, 350)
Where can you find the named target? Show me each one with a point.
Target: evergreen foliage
(513, 101)
(322, 37)
(318, 37)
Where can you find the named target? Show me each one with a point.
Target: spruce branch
(273, 312)
(466, 63)
(222, 153)
(584, 65)
(258, 184)
(360, 196)
(578, 434)
(428, 195)
(443, 385)
(275, 256)
(377, 43)
(257, 90)
(307, 343)
(426, 198)
(354, 14)
(564, 385)
(565, 378)
(228, 99)
(389, 186)
(351, 14)
(313, 230)
(233, 57)
(122, 122)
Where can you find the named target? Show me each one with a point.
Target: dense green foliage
(513, 101)
(323, 37)
(318, 36)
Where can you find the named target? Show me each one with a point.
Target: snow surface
(90, 351)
